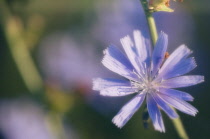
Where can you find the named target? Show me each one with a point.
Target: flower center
(147, 86)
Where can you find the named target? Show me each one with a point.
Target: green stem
(150, 21)
(13, 29)
(152, 28)
(22, 57)
(180, 128)
(154, 36)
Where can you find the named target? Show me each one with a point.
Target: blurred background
(50, 50)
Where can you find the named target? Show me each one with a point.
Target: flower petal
(179, 104)
(143, 47)
(103, 83)
(159, 52)
(130, 51)
(176, 93)
(128, 110)
(182, 67)
(180, 53)
(182, 81)
(164, 106)
(116, 61)
(155, 114)
(117, 91)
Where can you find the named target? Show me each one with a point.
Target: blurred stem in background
(19, 46)
(17, 43)
(154, 36)
(22, 56)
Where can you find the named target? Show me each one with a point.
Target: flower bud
(160, 5)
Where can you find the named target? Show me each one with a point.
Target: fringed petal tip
(195, 113)
(185, 49)
(138, 36)
(126, 40)
(106, 50)
(159, 125)
(192, 113)
(137, 32)
(194, 62)
(160, 129)
(163, 34)
(95, 84)
(202, 78)
(116, 121)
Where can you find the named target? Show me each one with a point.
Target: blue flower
(151, 76)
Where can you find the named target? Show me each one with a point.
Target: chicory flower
(151, 76)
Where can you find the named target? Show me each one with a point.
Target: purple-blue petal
(128, 110)
(159, 52)
(182, 67)
(155, 114)
(103, 83)
(180, 53)
(179, 104)
(164, 106)
(131, 52)
(176, 93)
(117, 91)
(143, 48)
(182, 81)
(116, 61)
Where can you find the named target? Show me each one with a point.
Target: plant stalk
(154, 36)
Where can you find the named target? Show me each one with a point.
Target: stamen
(139, 75)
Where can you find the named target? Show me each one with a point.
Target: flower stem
(22, 56)
(13, 29)
(150, 21)
(154, 36)
(180, 128)
(152, 28)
